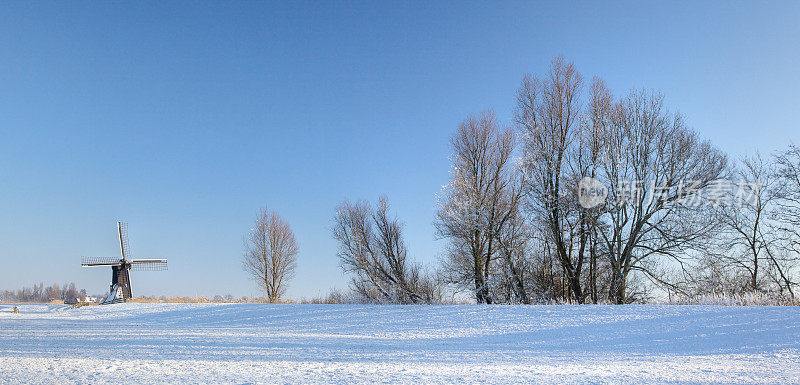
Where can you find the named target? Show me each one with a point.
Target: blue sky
(184, 118)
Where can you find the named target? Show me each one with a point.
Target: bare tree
(788, 170)
(585, 161)
(479, 201)
(640, 152)
(754, 249)
(745, 237)
(787, 253)
(371, 246)
(513, 243)
(271, 253)
(652, 163)
(548, 113)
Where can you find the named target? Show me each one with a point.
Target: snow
(262, 343)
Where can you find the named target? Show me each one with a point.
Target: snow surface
(260, 343)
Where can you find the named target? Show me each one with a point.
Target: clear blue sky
(184, 118)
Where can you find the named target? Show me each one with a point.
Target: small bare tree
(787, 255)
(371, 246)
(755, 251)
(271, 253)
(747, 241)
(788, 170)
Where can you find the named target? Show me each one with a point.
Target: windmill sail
(99, 261)
(148, 264)
(123, 239)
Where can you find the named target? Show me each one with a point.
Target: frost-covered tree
(478, 203)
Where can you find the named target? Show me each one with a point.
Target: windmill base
(115, 295)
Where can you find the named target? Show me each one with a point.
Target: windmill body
(120, 288)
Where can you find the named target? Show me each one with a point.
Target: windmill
(120, 289)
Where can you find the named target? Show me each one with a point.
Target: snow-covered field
(260, 343)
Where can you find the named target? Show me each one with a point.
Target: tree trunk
(516, 276)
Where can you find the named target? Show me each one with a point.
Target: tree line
(585, 197)
(41, 294)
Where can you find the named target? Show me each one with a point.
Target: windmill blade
(148, 260)
(100, 261)
(123, 239)
(148, 264)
